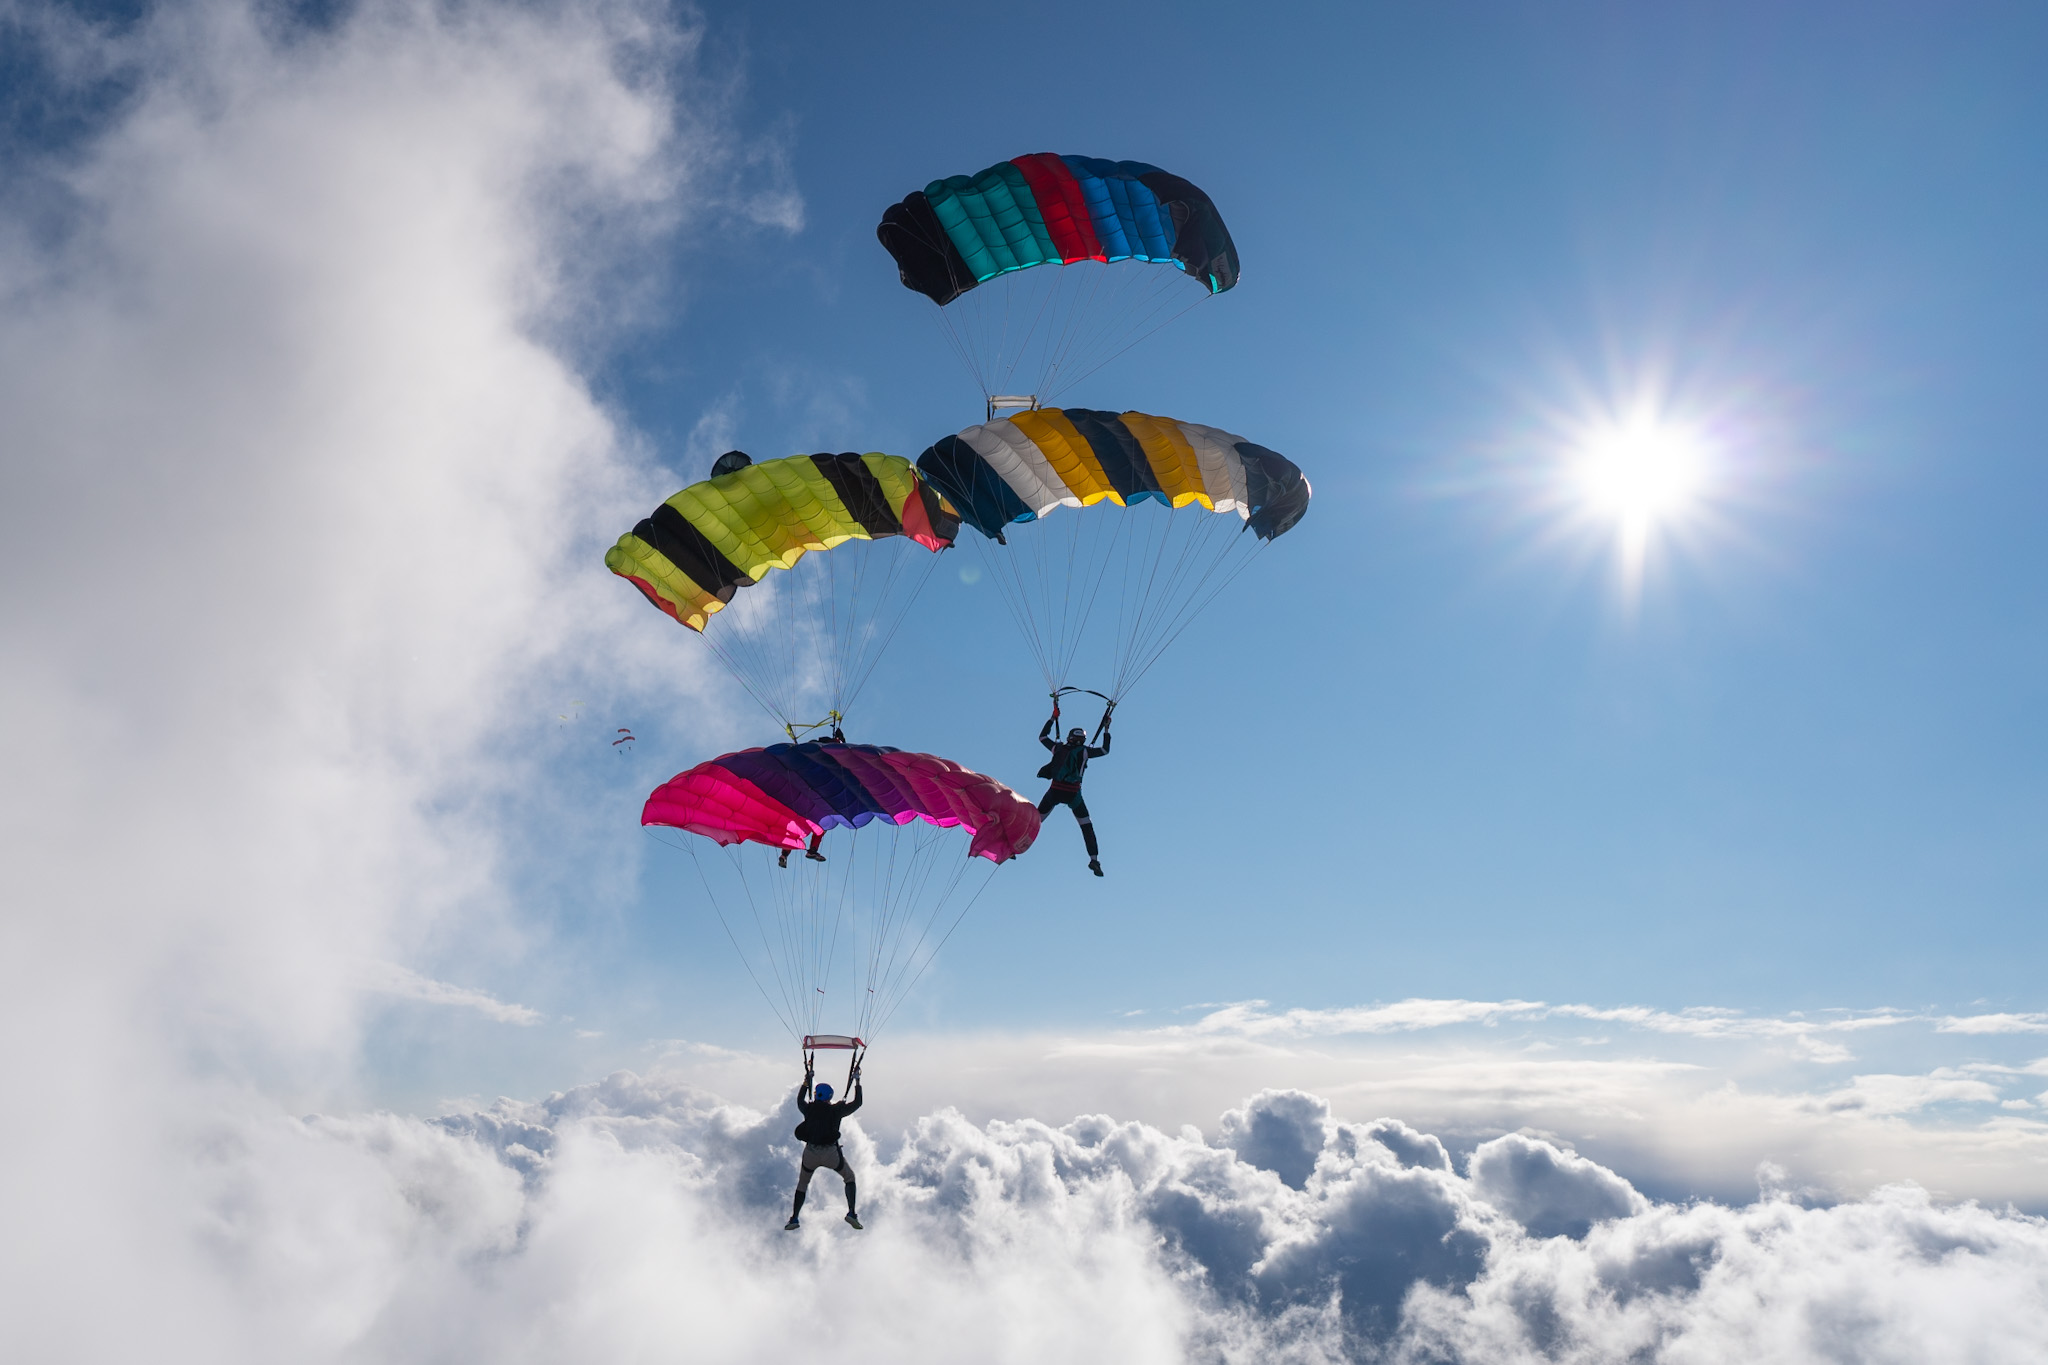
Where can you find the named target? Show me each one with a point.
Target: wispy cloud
(403, 983)
(1251, 1019)
(1994, 1023)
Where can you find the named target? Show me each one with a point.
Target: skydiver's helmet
(823, 1092)
(1077, 735)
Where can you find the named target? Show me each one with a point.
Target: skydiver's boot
(812, 852)
(792, 1224)
(783, 861)
(1095, 866)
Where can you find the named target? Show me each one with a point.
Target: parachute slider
(1011, 402)
(814, 1042)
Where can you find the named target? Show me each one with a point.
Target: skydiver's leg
(1047, 802)
(806, 1168)
(1087, 825)
(846, 1174)
(812, 852)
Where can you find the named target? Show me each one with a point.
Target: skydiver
(811, 852)
(820, 1134)
(1066, 768)
(838, 737)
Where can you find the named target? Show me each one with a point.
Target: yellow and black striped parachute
(806, 640)
(727, 532)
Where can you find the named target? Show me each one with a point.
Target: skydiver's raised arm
(1046, 730)
(854, 1103)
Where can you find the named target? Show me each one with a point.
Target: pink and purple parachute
(782, 795)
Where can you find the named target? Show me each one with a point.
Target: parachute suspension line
(786, 1016)
(822, 625)
(1207, 588)
(1059, 324)
(894, 951)
(1159, 318)
(885, 1015)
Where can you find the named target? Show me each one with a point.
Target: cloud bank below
(639, 1218)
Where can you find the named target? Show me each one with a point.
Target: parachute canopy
(727, 532)
(1044, 209)
(1020, 468)
(782, 795)
(1140, 574)
(1135, 247)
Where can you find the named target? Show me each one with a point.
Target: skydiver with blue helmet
(1067, 766)
(819, 1133)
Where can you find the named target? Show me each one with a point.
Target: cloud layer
(638, 1219)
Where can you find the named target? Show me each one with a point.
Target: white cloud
(1995, 1023)
(302, 495)
(403, 983)
(1904, 1094)
(638, 1216)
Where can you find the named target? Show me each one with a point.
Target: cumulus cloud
(639, 1217)
(301, 494)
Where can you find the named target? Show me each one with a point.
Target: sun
(1641, 476)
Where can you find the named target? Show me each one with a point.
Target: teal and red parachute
(1045, 209)
(1128, 247)
(784, 794)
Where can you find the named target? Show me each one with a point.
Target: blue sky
(1427, 747)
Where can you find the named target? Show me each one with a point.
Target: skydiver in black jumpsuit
(1066, 768)
(820, 1134)
(838, 737)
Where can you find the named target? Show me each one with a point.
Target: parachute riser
(833, 721)
(1108, 708)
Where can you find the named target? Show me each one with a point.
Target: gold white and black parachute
(1128, 520)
